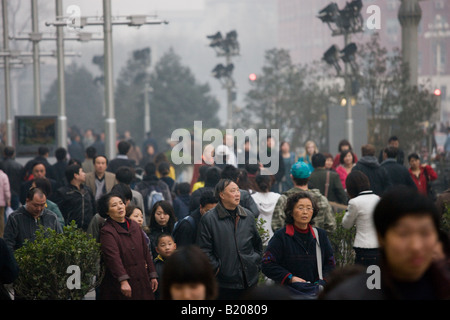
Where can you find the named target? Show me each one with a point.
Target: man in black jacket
(76, 200)
(23, 223)
(398, 173)
(121, 159)
(228, 236)
(369, 165)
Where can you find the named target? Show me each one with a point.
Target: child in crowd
(165, 246)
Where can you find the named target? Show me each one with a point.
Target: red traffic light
(437, 92)
(252, 77)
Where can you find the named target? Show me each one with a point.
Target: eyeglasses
(307, 209)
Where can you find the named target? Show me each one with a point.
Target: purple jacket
(126, 257)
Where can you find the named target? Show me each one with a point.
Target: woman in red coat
(130, 273)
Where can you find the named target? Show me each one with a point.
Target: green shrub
(44, 263)
(342, 242)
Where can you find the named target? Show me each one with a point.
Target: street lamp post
(344, 22)
(107, 23)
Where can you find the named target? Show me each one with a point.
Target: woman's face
(348, 159)
(285, 147)
(328, 163)
(302, 213)
(137, 216)
(409, 246)
(231, 196)
(116, 209)
(161, 217)
(188, 291)
(310, 148)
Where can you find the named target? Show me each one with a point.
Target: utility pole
(107, 23)
(7, 75)
(409, 15)
(62, 119)
(36, 37)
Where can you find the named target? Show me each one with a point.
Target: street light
(331, 56)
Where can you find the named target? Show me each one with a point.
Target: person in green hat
(300, 173)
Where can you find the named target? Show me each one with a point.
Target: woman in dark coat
(130, 273)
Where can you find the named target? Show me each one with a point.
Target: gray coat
(233, 246)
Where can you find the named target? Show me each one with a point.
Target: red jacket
(421, 181)
(127, 257)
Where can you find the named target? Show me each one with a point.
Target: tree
(129, 93)
(288, 97)
(395, 108)
(83, 99)
(178, 99)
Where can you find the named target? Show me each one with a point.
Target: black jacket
(76, 204)
(398, 174)
(378, 176)
(21, 225)
(233, 246)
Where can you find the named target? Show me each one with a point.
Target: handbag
(308, 288)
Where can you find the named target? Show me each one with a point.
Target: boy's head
(165, 245)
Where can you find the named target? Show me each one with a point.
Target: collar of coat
(223, 213)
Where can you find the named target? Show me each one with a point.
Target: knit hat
(300, 170)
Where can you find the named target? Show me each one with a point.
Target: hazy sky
(190, 21)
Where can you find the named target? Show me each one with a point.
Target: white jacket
(360, 213)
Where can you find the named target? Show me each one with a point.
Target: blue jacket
(290, 252)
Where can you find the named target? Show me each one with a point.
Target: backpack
(153, 197)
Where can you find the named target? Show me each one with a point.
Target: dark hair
(60, 153)
(125, 174)
(300, 181)
(230, 172)
(212, 177)
(9, 151)
(182, 188)
(103, 203)
(150, 169)
(130, 208)
(162, 235)
(393, 138)
(400, 202)
(124, 190)
(43, 150)
(164, 168)
(43, 184)
(413, 156)
(71, 170)
(344, 143)
(391, 152)
(344, 154)
(202, 172)
(168, 209)
(318, 160)
(99, 155)
(208, 197)
(91, 152)
(196, 269)
(264, 182)
(221, 186)
(292, 201)
(356, 182)
(123, 147)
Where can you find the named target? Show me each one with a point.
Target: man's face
(394, 143)
(81, 176)
(36, 205)
(231, 196)
(100, 165)
(39, 171)
(409, 246)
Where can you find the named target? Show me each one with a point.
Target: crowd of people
(162, 238)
